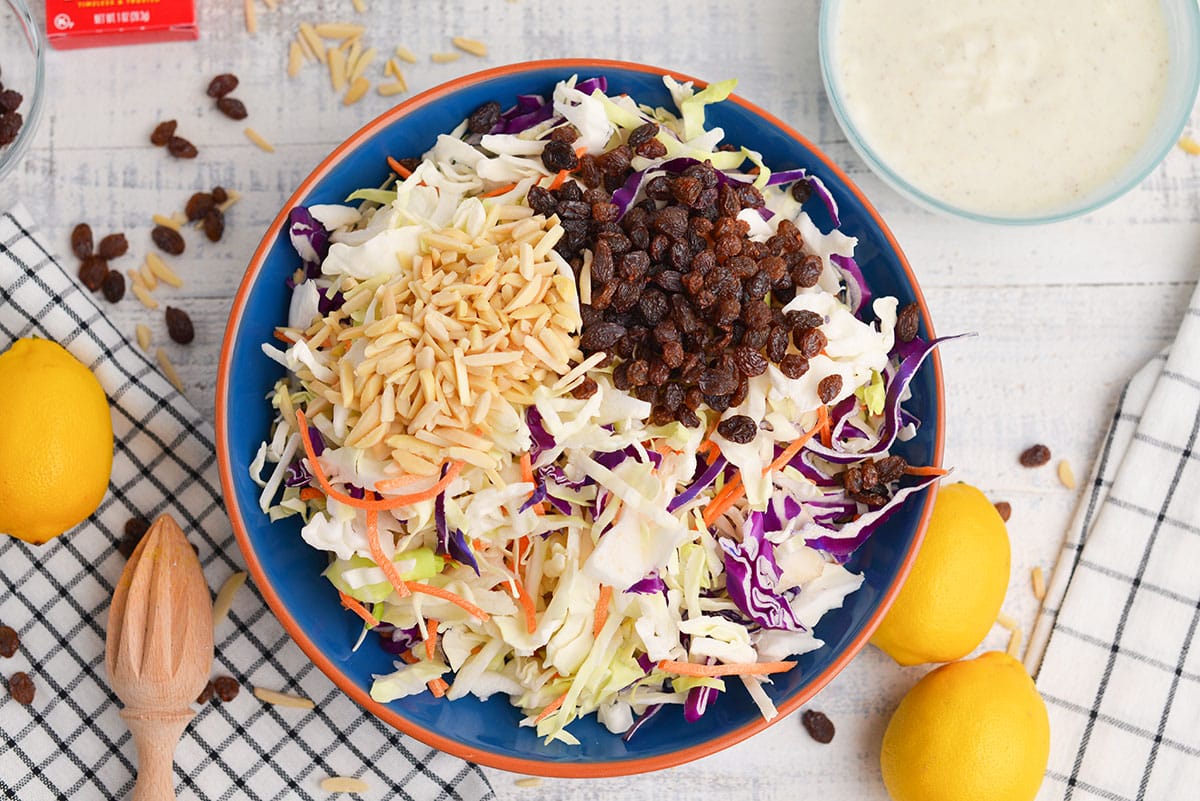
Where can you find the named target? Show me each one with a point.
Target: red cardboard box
(95, 23)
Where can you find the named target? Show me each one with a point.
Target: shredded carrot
(499, 191)
(708, 449)
(381, 559)
(912, 470)
(735, 489)
(282, 337)
(398, 168)
(752, 669)
(446, 595)
(437, 686)
(383, 505)
(431, 631)
(354, 606)
(527, 475)
(824, 427)
(551, 708)
(580, 152)
(399, 481)
(389, 484)
(409, 657)
(602, 609)
(310, 494)
(526, 602)
(558, 180)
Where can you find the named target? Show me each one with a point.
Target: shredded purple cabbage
(842, 542)
(318, 441)
(452, 543)
(650, 585)
(297, 475)
(699, 485)
(397, 641)
(650, 712)
(698, 699)
(329, 300)
(308, 236)
(857, 293)
(751, 575)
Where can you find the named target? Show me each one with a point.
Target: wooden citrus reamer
(159, 650)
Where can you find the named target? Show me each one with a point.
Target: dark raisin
(801, 191)
(81, 241)
(620, 376)
(20, 686)
(809, 341)
(92, 272)
(616, 161)
(113, 286)
(829, 387)
(652, 149)
(891, 468)
(687, 417)
(749, 361)
(541, 201)
(589, 171)
(181, 148)
(214, 224)
(818, 726)
(585, 388)
(601, 336)
(627, 296)
(808, 272)
(606, 212)
(565, 133)
(717, 403)
(484, 118)
(112, 246)
(162, 133)
(777, 343)
(198, 205)
(670, 280)
(1035, 456)
(10, 126)
(642, 134)
(672, 354)
(168, 240)
(219, 195)
(907, 322)
(639, 372)
(222, 85)
(750, 197)
(232, 108)
(206, 694)
(226, 687)
(654, 306)
(179, 326)
(603, 299)
(559, 156)
(718, 382)
(686, 190)
(793, 365)
(671, 396)
(659, 188)
(803, 318)
(574, 210)
(9, 641)
(739, 428)
(632, 266)
(10, 100)
(1004, 508)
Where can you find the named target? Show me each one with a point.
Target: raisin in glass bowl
(22, 70)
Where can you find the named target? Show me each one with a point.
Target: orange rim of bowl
(441, 742)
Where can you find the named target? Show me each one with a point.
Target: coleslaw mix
(502, 535)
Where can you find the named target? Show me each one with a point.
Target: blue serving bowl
(289, 573)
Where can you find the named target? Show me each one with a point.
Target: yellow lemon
(954, 592)
(969, 730)
(56, 441)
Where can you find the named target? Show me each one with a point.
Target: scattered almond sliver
(344, 784)
(1039, 583)
(166, 222)
(143, 335)
(528, 781)
(356, 92)
(390, 89)
(295, 59)
(444, 58)
(1066, 475)
(404, 54)
(282, 699)
(159, 269)
(472, 46)
(359, 6)
(360, 66)
(251, 17)
(1014, 643)
(257, 138)
(135, 278)
(314, 41)
(144, 296)
(337, 68)
(338, 30)
(1007, 621)
(164, 363)
(1189, 145)
(225, 595)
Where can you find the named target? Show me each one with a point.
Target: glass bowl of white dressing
(1016, 112)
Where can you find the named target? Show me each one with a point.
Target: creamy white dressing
(1009, 107)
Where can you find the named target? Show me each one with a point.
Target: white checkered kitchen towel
(71, 743)
(1117, 637)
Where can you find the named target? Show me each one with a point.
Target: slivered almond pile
(474, 327)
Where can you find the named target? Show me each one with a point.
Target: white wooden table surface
(1065, 313)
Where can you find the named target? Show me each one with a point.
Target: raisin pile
(868, 482)
(219, 89)
(685, 303)
(94, 272)
(10, 119)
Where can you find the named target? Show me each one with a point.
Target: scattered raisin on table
(206, 694)
(163, 133)
(9, 641)
(1004, 508)
(739, 428)
(484, 118)
(222, 85)
(168, 240)
(219, 195)
(179, 326)
(113, 286)
(226, 687)
(81, 241)
(818, 726)
(93, 271)
(214, 224)
(907, 322)
(198, 205)
(232, 108)
(135, 529)
(1035, 456)
(181, 148)
(20, 686)
(112, 246)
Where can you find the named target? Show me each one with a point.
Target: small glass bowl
(22, 68)
(1183, 81)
